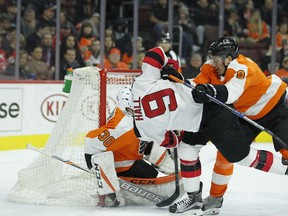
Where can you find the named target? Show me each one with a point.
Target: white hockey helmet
(125, 100)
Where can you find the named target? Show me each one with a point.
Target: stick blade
(169, 200)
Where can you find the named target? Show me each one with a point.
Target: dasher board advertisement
(11, 109)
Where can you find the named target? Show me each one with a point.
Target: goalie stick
(128, 186)
(176, 193)
(234, 111)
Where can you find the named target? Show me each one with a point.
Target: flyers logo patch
(240, 74)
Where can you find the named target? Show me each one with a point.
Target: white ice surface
(250, 192)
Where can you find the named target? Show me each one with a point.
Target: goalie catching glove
(161, 158)
(201, 91)
(169, 70)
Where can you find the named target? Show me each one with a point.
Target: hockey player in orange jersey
(118, 136)
(256, 96)
(162, 106)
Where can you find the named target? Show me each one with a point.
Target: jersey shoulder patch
(240, 74)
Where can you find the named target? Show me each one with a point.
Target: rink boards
(29, 111)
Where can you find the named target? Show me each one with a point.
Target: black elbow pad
(222, 93)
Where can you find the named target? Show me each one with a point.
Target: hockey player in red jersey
(257, 97)
(162, 106)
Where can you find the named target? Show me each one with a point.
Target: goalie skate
(190, 204)
(211, 205)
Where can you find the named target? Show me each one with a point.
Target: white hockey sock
(264, 161)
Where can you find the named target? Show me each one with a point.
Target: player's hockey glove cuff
(173, 63)
(179, 134)
(171, 140)
(169, 70)
(201, 91)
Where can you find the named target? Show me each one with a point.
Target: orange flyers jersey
(118, 136)
(251, 92)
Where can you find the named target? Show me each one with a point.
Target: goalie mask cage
(49, 182)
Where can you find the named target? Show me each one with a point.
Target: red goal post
(109, 77)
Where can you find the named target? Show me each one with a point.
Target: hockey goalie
(113, 151)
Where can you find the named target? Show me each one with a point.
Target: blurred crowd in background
(195, 26)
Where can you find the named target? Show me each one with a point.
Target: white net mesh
(50, 182)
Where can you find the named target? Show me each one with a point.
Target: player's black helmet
(165, 37)
(225, 46)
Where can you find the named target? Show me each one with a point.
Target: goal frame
(92, 98)
(103, 89)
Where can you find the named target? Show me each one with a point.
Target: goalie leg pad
(161, 159)
(106, 177)
(157, 154)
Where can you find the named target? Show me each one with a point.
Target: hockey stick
(175, 195)
(128, 186)
(234, 111)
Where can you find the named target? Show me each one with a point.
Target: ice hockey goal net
(50, 182)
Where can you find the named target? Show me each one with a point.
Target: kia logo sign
(52, 106)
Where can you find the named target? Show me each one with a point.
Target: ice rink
(250, 192)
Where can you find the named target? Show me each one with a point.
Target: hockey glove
(171, 140)
(173, 63)
(179, 134)
(169, 70)
(201, 91)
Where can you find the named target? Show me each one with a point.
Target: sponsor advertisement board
(29, 111)
(11, 104)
